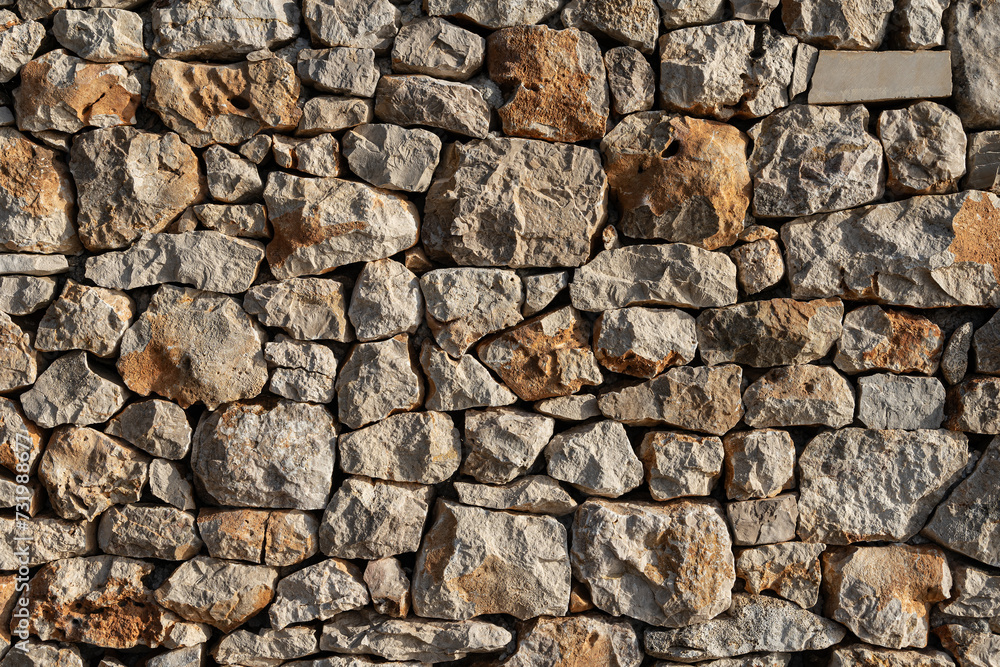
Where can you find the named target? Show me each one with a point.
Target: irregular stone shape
(371, 519)
(936, 259)
(968, 521)
(265, 454)
(159, 428)
(140, 531)
(630, 78)
(570, 408)
(678, 13)
(191, 656)
(918, 24)
(680, 464)
(805, 64)
(984, 342)
(36, 194)
(976, 649)
(459, 384)
(545, 356)
(21, 441)
(503, 443)
(924, 146)
(231, 178)
(191, 346)
(342, 70)
(416, 99)
(421, 447)
(225, 30)
(887, 401)
(791, 570)
(972, 406)
(572, 641)
(554, 83)
(168, 482)
(884, 594)
(100, 35)
(976, 593)
(246, 220)
(678, 178)
(753, 623)
(763, 521)
(332, 114)
(50, 538)
(131, 182)
(888, 75)
(983, 162)
(85, 472)
(62, 93)
(470, 555)
(971, 37)
(759, 464)
(323, 223)
(39, 654)
(392, 157)
(304, 371)
(33, 265)
(319, 155)
(305, 308)
(632, 22)
(268, 648)
(754, 11)
(389, 587)
(644, 341)
(670, 274)
(465, 304)
(377, 380)
(636, 559)
(225, 104)
(703, 399)
(541, 289)
(860, 655)
(85, 318)
(386, 301)
(71, 392)
(897, 341)
(363, 24)
(886, 483)
(597, 459)
(291, 537)
(24, 295)
(233, 534)
(437, 48)
(535, 494)
(21, 40)
(714, 70)
(955, 359)
(812, 159)
(859, 24)
(773, 332)
(18, 358)
(803, 395)
(367, 632)
(515, 203)
(318, 592)
(220, 593)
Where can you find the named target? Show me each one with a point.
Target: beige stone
(846, 77)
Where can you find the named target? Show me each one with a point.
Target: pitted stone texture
(224, 104)
(459, 384)
(862, 655)
(19, 360)
(71, 391)
(597, 459)
(972, 36)
(318, 592)
(265, 454)
(548, 355)
(985, 343)
(363, 24)
(889, 340)
(141, 531)
(24, 295)
(494, 15)
(303, 371)
(886, 483)
(85, 318)
(630, 79)
(682, 13)
(974, 406)
(887, 401)
(266, 648)
(632, 22)
(386, 301)
(341, 71)
(678, 178)
(305, 308)
(233, 534)
(421, 447)
(21, 40)
(502, 444)
(191, 346)
(813, 159)
(680, 464)
(51, 539)
(389, 587)
(321, 224)
(534, 494)
(830, 24)
(515, 203)
(226, 30)
(790, 569)
(101, 35)
(759, 464)
(466, 304)
(575, 641)
(416, 99)
(703, 399)
(803, 395)
(437, 48)
(644, 341)
(637, 560)
(925, 149)
(392, 157)
(370, 519)
(377, 380)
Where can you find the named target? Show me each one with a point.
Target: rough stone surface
(535, 494)
(644, 341)
(85, 318)
(984, 343)
(389, 587)
(983, 161)
(971, 35)
(465, 304)
(459, 384)
(925, 149)
(680, 464)
(341, 71)
(421, 447)
(577, 640)
(223, 31)
(630, 79)
(502, 444)
(759, 464)
(416, 99)
(24, 295)
(100, 35)
(71, 391)
(392, 157)
(803, 395)
(302, 371)
(889, 340)
(790, 569)
(859, 24)
(438, 48)
(305, 308)
(356, 23)
(494, 15)
(377, 380)
(597, 459)
(386, 301)
(972, 405)
(140, 531)
(318, 592)
(764, 521)
(21, 40)
(887, 401)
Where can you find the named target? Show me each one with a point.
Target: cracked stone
(644, 341)
(362, 24)
(790, 569)
(459, 384)
(141, 531)
(535, 494)
(631, 82)
(925, 149)
(226, 30)
(890, 340)
(502, 444)
(303, 372)
(305, 308)
(317, 593)
(465, 304)
(389, 587)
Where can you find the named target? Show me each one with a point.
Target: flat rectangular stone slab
(844, 77)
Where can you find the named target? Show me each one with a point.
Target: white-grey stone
(304, 371)
(535, 494)
(71, 391)
(246, 220)
(341, 70)
(376, 380)
(232, 179)
(925, 148)
(630, 80)
(23, 295)
(680, 464)
(465, 304)
(20, 40)
(168, 482)
(763, 521)
(100, 35)
(437, 48)
(305, 308)
(887, 401)
(386, 301)
(972, 36)
(502, 444)
(597, 459)
(316, 593)
(159, 428)
(759, 463)
(362, 24)
(417, 99)
(803, 395)
(983, 162)
(223, 30)
(832, 24)
(85, 318)
(644, 341)
(333, 114)
(917, 23)
(421, 447)
(459, 384)
(392, 157)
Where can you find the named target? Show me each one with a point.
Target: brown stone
(888, 340)
(593, 640)
(235, 534)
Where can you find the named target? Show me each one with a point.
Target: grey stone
(317, 593)
(679, 14)
(44, 654)
(362, 24)
(541, 289)
(759, 464)
(918, 24)
(893, 340)
(392, 157)
(971, 37)
(21, 40)
(386, 301)
(631, 22)
(680, 464)
(570, 408)
(231, 178)
(268, 648)
(803, 395)
(168, 482)
(388, 586)
(333, 114)
(859, 655)
(503, 443)
(972, 647)
(100, 35)
(416, 99)
(305, 308)
(534, 494)
(85, 318)
(421, 447)
(19, 360)
(597, 459)
(887, 401)
(806, 56)
(141, 531)
(643, 341)
(886, 483)
(984, 342)
(303, 371)
(976, 593)
(159, 428)
(828, 24)
(924, 146)
(465, 304)
(755, 11)
(437, 48)
(790, 569)
(377, 380)
(318, 155)
(973, 405)
(341, 70)
(246, 220)
(459, 384)
(955, 359)
(51, 539)
(983, 162)
(763, 521)
(32, 265)
(888, 75)
(592, 639)
(24, 295)
(226, 30)
(70, 391)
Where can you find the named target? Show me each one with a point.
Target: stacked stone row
(343, 333)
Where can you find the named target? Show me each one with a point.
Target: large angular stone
(925, 148)
(386, 301)
(291, 537)
(130, 182)
(50, 539)
(225, 104)
(754, 623)
(680, 464)
(974, 406)
(976, 593)
(830, 24)
(21, 40)
(669, 274)
(969, 520)
(141, 531)
(862, 655)
(503, 443)
(812, 159)
(36, 194)
(637, 561)
(680, 13)
(644, 341)
(804, 395)
(19, 360)
(416, 99)
(976, 649)
(593, 639)
(597, 459)
(85, 318)
(24, 295)
(890, 340)
(924, 252)
(302, 371)
(421, 447)
(318, 156)
(364, 24)
(377, 380)
(437, 48)
(392, 157)
(231, 178)
(265, 454)
(466, 304)
(534, 494)
(233, 534)
(703, 399)
(983, 162)
(515, 203)
(191, 346)
(266, 648)
(224, 30)
(62, 93)
(323, 223)
(886, 483)
(459, 384)
(678, 178)
(70, 391)
(790, 569)
(759, 464)
(630, 79)
(470, 556)
(318, 592)
(898, 401)
(985, 343)
(632, 22)
(972, 36)
(305, 308)
(100, 35)
(341, 71)
(168, 482)
(494, 15)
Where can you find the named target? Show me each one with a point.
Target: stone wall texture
(500, 333)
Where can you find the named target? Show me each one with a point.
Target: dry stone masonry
(499, 333)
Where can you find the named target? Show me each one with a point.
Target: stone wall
(343, 333)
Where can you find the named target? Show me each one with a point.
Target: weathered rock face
(223, 30)
(503, 443)
(597, 459)
(893, 401)
(100, 35)
(494, 15)
(859, 24)
(437, 48)
(142, 531)
(459, 384)
(70, 391)
(85, 318)
(971, 35)
(630, 79)
(803, 395)
(643, 341)
(516, 203)
(636, 560)
(924, 149)
(465, 304)
(421, 447)
(392, 157)
(302, 371)
(24, 295)
(679, 464)
(759, 265)
(759, 464)
(422, 100)
(876, 500)
(972, 405)
(534, 494)
(377, 380)
(318, 592)
(861, 654)
(305, 308)
(21, 40)
(18, 358)
(791, 569)
(356, 23)
(389, 587)
(576, 641)
(891, 340)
